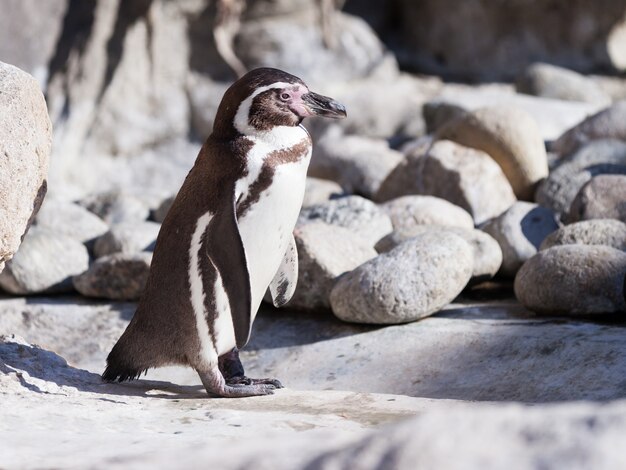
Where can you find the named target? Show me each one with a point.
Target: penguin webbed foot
(214, 383)
(243, 380)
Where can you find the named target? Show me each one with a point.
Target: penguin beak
(324, 106)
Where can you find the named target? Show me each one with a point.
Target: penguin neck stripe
(243, 112)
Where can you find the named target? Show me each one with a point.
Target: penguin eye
(285, 96)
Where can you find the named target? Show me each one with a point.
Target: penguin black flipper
(225, 249)
(284, 283)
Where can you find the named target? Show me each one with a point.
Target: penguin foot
(214, 383)
(243, 380)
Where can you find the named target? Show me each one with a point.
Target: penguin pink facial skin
(227, 238)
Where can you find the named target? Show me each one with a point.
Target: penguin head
(265, 98)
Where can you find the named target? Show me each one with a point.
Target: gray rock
(550, 81)
(403, 178)
(45, 263)
(519, 232)
(412, 281)
(358, 164)
(573, 280)
(439, 113)
(355, 213)
(129, 237)
(559, 189)
(120, 276)
(318, 191)
(25, 143)
(607, 232)
(408, 211)
(487, 252)
(115, 207)
(158, 215)
(508, 135)
(70, 219)
(205, 96)
(606, 124)
(324, 253)
(603, 197)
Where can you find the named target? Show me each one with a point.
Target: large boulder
(25, 144)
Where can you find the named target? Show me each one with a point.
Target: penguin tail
(121, 365)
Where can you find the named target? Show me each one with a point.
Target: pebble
(158, 214)
(603, 197)
(115, 207)
(70, 219)
(128, 237)
(318, 191)
(609, 232)
(408, 211)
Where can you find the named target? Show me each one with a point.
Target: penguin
(227, 238)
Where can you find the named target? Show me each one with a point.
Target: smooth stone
(318, 191)
(45, 263)
(412, 281)
(355, 213)
(573, 280)
(519, 232)
(324, 253)
(560, 188)
(487, 252)
(121, 276)
(25, 145)
(158, 214)
(508, 135)
(609, 232)
(408, 211)
(70, 219)
(116, 207)
(128, 237)
(603, 197)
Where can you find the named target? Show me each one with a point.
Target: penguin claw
(240, 381)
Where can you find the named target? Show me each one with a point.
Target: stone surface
(45, 263)
(603, 197)
(358, 164)
(128, 237)
(560, 188)
(120, 276)
(318, 191)
(607, 232)
(508, 135)
(435, 268)
(355, 213)
(70, 219)
(158, 215)
(519, 232)
(550, 81)
(324, 253)
(116, 207)
(487, 252)
(573, 280)
(605, 124)
(408, 211)
(25, 144)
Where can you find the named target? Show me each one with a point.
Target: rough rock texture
(324, 253)
(70, 219)
(560, 188)
(318, 191)
(25, 143)
(435, 268)
(511, 137)
(574, 280)
(45, 263)
(116, 207)
(550, 81)
(607, 232)
(519, 232)
(408, 211)
(487, 252)
(119, 276)
(606, 124)
(603, 197)
(355, 213)
(358, 164)
(129, 237)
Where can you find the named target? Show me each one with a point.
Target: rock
(72, 220)
(205, 96)
(115, 207)
(519, 232)
(128, 237)
(412, 281)
(324, 253)
(121, 276)
(508, 135)
(403, 178)
(45, 263)
(573, 280)
(602, 197)
(487, 252)
(605, 124)
(318, 191)
(438, 113)
(550, 81)
(408, 211)
(607, 232)
(559, 189)
(158, 215)
(358, 164)
(355, 213)
(25, 142)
